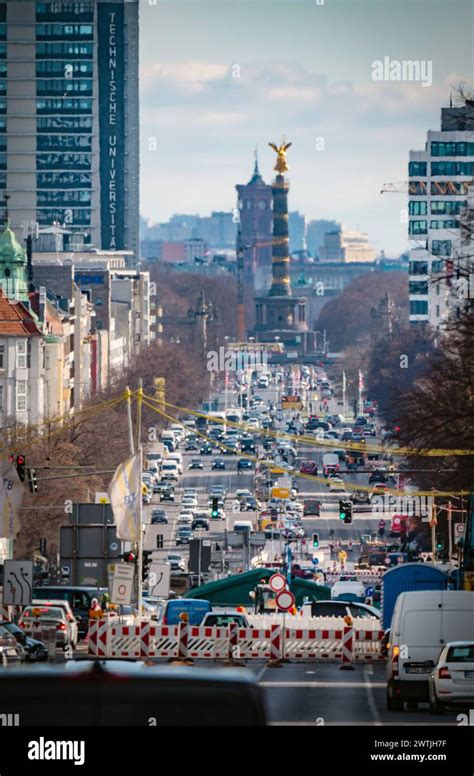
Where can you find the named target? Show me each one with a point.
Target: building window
(21, 354)
(453, 168)
(67, 142)
(417, 227)
(447, 207)
(437, 310)
(417, 168)
(437, 266)
(301, 313)
(419, 287)
(417, 208)
(2, 356)
(452, 149)
(418, 268)
(53, 161)
(1, 398)
(448, 188)
(21, 395)
(452, 224)
(418, 307)
(441, 247)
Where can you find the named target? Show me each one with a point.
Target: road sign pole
(450, 536)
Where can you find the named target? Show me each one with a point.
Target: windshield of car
(224, 619)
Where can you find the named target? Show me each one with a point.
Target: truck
(330, 464)
(408, 577)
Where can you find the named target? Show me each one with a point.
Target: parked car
(34, 649)
(11, 651)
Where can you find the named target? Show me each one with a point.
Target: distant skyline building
(439, 178)
(315, 232)
(297, 229)
(71, 152)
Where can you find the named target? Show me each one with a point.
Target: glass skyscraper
(72, 140)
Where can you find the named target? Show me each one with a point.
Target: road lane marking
(260, 674)
(368, 671)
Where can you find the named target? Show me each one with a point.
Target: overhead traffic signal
(345, 511)
(32, 480)
(315, 541)
(20, 467)
(440, 544)
(215, 508)
(146, 563)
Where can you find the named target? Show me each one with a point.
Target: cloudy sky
(219, 77)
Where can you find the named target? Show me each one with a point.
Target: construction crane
(401, 187)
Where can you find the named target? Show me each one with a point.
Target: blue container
(407, 577)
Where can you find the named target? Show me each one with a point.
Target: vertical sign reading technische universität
(111, 62)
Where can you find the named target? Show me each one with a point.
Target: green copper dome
(13, 280)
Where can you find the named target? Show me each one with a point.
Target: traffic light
(315, 541)
(215, 508)
(345, 511)
(440, 544)
(32, 481)
(159, 541)
(20, 467)
(129, 557)
(146, 563)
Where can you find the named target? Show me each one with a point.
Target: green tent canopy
(234, 590)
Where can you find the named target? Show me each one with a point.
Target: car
(221, 619)
(196, 463)
(360, 497)
(158, 516)
(185, 534)
(309, 467)
(244, 463)
(11, 650)
(250, 504)
(336, 485)
(167, 495)
(185, 516)
(161, 486)
(340, 609)
(34, 649)
(48, 615)
(218, 463)
(242, 494)
(206, 449)
(200, 522)
(66, 607)
(452, 681)
(191, 444)
(189, 502)
(350, 586)
(176, 562)
(190, 492)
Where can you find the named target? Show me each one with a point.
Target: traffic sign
(159, 579)
(277, 583)
(370, 591)
(123, 584)
(17, 582)
(459, 529)
(315, 561)
(280, 493)
(342, 555)
(285, 600)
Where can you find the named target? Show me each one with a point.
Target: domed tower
(13, 266)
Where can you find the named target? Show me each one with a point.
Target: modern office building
(70, 156)
(438, 188)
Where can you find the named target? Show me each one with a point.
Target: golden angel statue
(281, 163)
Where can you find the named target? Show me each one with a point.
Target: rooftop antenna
(6, 197)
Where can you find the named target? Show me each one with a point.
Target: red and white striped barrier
(348, 645)
(208, 642)
(158, 640)
(124, 640)
(149, 640)
(254, 643)
(304, 644)
(97, 638)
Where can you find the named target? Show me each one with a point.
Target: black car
(34, 650)
(158, 516)
(244, 463)
(206, 450)
(200, 522)
(218, 463)
(196, 463)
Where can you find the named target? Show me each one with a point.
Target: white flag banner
(125, 493)
(361, 381)
(11, 497)
(343, 382)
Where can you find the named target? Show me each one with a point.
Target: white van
(169, 470)
(178, 458)
(178, 431)
(422, 623)
(168, 438)
(243, 526)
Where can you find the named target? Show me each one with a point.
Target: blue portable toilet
(407, 577)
